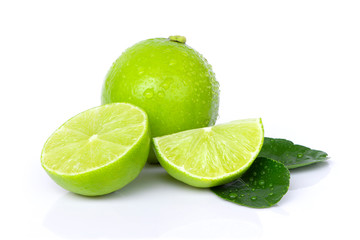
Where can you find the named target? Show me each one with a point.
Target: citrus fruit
(98, 151)
(211, 156)
(171, 81)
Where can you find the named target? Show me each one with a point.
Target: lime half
(98, 151)
(211, 156)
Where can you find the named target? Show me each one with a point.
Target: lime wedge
(211, 156)
(98, 151)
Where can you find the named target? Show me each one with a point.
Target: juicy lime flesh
(216, 152)
(93, 139)
(171, 81)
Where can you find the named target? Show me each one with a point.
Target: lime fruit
(211, 156)
(172, 82)
(98, 151)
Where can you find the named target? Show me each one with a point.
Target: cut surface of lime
(211, 156)
(99, 150)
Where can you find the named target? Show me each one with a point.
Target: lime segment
(211, 156)
(110, 139)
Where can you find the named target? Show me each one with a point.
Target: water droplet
(270, 185)
(270, 194)
(261, 182)
(166, 83)
(300, 155)
(262, 172)
(233, 195)
(161, 94)
(242, 195)
(253, 189)
(148, 93)
(140, 70)
(253, 198)
(265, 167)
(172, 62)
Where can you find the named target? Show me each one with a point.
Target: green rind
(185, 90)
(110, 177)
(290, 154)
(263, 185)
(198, 181)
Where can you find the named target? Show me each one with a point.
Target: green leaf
(262, 185)
(290, 154)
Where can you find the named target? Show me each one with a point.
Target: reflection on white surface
(154, 205)
(309, 175)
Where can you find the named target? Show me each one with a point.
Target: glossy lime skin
(172, 82)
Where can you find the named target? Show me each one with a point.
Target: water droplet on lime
(161, 94)
(172, 62)
(140, 70)
(165, 85)
(261, 182)
(253, 198)
(148, 93)
(270, 194)
(300, 155)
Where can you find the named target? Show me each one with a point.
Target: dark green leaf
(262, 185)
(290, 154)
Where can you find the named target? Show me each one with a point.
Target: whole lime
(171, 81)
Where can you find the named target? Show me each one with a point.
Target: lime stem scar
(177, 38)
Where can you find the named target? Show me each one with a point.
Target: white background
(296, 64)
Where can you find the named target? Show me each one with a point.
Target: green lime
(172, 82)
(211, 156)
(98, 151)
